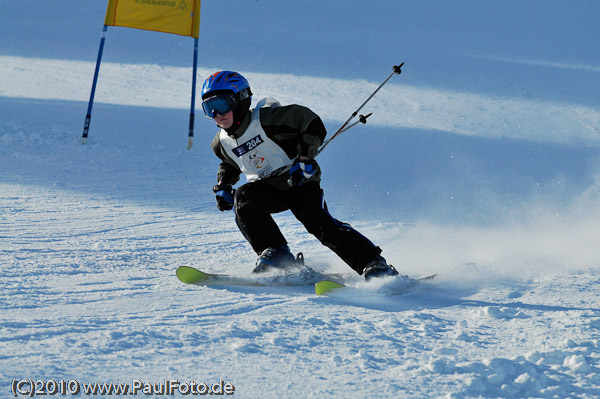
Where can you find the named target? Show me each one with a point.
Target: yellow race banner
(181, 17)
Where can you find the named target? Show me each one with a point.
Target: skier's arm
(228, 172)
(311, 139)
(297, 129)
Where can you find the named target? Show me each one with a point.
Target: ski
(325, 287)
(329, 286)
(295, 276)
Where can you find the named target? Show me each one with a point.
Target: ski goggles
(219, 104)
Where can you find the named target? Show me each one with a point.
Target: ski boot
(377, 268)
(274, 258)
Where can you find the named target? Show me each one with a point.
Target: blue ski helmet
(226, 81)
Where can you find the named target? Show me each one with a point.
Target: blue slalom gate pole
(193, 106)
(88, 116)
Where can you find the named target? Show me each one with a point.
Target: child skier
(275, 148)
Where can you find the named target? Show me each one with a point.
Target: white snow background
(480, 163)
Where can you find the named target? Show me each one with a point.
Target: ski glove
(224, 193)
(302, 171)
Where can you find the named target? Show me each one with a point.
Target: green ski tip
(190, 275)
(327, 286)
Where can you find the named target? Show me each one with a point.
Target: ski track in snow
(91, 236)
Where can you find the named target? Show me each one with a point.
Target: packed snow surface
(480, 163)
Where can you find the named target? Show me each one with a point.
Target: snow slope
(480, 163)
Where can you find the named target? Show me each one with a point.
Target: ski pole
(397, 69)
(361, 119)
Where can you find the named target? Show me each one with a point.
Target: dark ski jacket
(295, 128)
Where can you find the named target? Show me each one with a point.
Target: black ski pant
(256, 201)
